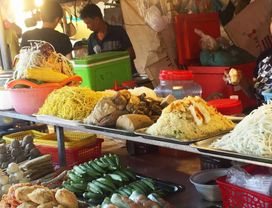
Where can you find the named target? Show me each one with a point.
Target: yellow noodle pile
(73, 103)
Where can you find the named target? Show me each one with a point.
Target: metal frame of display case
(59, 128)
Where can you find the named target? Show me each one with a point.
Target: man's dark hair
(91, 11)
(51, 10)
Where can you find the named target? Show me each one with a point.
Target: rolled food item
(123, 202)
(132, 122)
(141, 199)
(162, 203)
(107, 203)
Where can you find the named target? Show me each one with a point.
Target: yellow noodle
(73, 103)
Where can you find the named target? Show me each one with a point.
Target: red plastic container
(187, 41)
(227, 106)
(77, 155)
(176, 75)
(211, 80)
(237, 197)
(188, 49)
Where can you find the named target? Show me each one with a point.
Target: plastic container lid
(227, 106)
(100, 57)
(176, 75)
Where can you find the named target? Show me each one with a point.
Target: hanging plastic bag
(155, 20)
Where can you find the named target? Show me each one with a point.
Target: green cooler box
(100, 71)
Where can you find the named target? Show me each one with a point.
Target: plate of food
(108, 129)
(207, 147)
(143, 133)
(186, 121)
(56, 120)
(250, 139)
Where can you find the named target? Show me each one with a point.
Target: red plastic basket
(237, 197)
(75, 155)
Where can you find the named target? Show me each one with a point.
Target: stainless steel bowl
(207, 191)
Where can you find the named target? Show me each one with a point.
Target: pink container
(29, 100)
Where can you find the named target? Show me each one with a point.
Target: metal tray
(142, 133)
(167, 187)
(56, 120)
(163, 187)
(204, 146)
(109, 130)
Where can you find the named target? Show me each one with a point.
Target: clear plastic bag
(154, 13)
(258, 183)
(155, 20)
(207, 42)
(237, 176)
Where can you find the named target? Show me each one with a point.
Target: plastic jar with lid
(179, 83)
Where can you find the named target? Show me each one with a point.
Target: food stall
(68, 167)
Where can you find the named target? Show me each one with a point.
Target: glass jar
(179, 83)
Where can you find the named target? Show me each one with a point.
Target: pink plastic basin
(29, 100)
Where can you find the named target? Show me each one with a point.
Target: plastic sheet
(258, 183)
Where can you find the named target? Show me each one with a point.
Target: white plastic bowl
(200, 180)
(5, 100)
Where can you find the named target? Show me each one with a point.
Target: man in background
(51, 15)
(105, 37)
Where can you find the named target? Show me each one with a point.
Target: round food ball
(15, 152)
(35, 153)
(4, 179)
(5, 188)
(28, 139)
(12, 168)
(1, 172)
(19, 175)
(29, 147)
(15, 143)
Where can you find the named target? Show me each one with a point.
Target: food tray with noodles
(109, 130)
(142, 133)
(204, 146)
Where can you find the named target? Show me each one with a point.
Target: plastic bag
(258, 183)
(155, 20)
(237, 176)
(207, 42)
